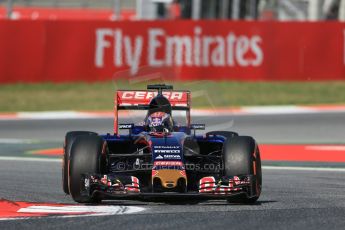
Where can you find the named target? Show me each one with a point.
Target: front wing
(115, 187)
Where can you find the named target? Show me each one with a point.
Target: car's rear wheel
(242, 157)
(88, 155)
(69, 139)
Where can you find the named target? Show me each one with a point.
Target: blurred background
(72, 55)
(282, 10)
(53, 51)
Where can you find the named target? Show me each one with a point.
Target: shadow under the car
(183, 202)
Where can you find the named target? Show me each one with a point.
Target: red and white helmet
(159, 122)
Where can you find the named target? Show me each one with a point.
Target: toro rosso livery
(160, 158)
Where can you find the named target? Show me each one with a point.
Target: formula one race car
(159, 158)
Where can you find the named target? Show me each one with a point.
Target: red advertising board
(63, 51)
(60, 13)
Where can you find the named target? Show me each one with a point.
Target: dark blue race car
(159, 158)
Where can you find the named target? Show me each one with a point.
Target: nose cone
(169, 177)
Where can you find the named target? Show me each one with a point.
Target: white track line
(16, 141)
(16, 218)
(82, 210)
(34, 159)
(69, 211)
(320, 169)
(245, 110)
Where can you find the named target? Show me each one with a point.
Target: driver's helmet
(159, 122)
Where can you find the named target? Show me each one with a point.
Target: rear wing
(140, 100)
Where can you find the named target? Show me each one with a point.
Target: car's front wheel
(241, 156)
(88, 155)
(69, 139)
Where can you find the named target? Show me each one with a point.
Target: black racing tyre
(69, 139)
(226, 134)
(242, 157)
(88, 155)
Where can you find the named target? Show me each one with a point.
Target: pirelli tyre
(69, 139)
(242, 157)
(88, 155)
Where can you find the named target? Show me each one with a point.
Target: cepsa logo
(146, 95)
(194, 49)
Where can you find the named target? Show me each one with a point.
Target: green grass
(99, 96)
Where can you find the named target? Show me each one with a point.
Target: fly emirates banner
(60, 51)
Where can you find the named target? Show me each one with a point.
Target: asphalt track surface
(291, 199)
(282, 128)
